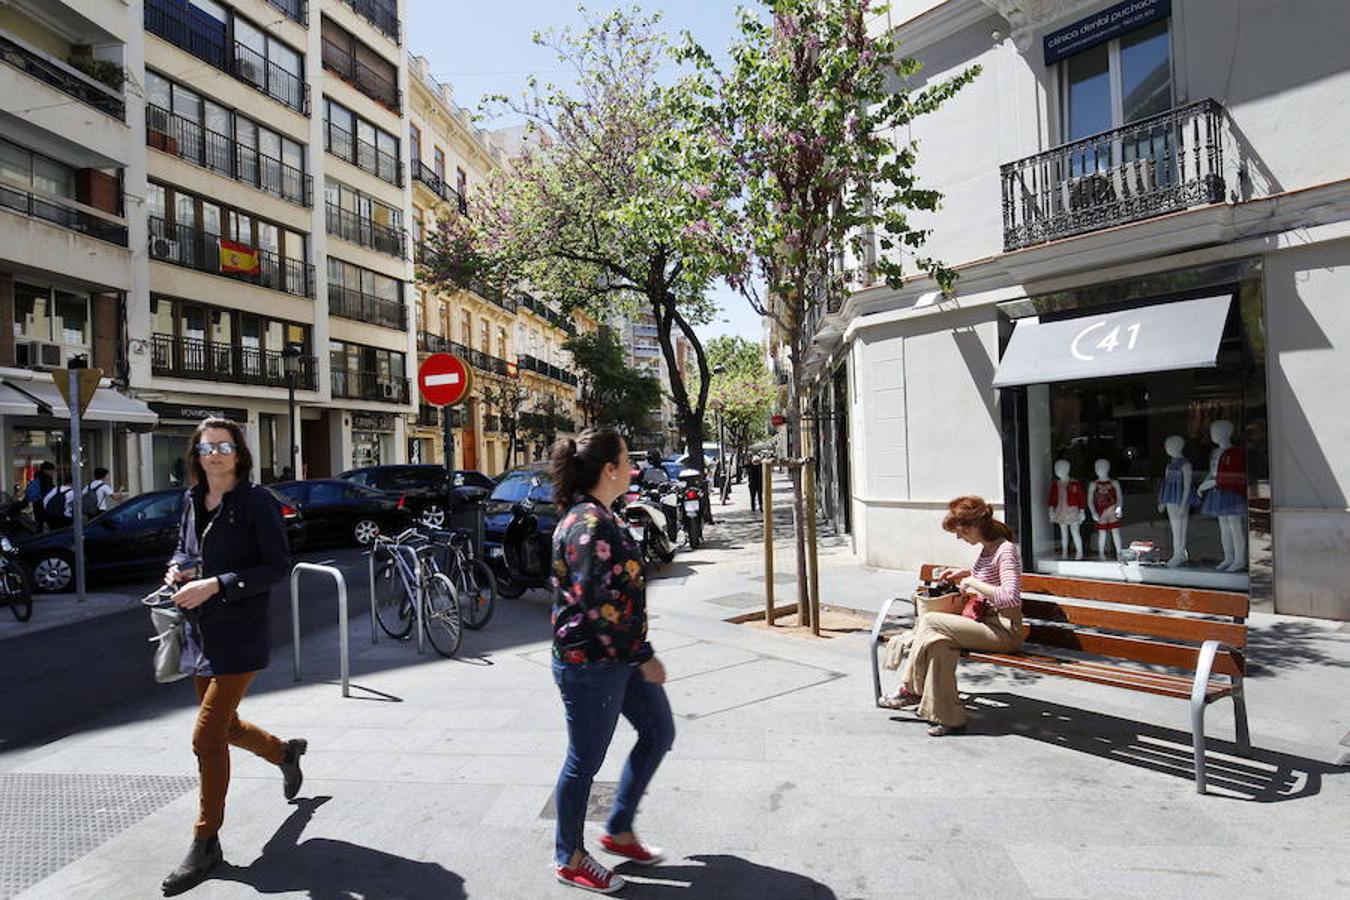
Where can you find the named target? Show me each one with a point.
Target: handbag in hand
(167, 620)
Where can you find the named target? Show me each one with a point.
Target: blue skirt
(1219, 502)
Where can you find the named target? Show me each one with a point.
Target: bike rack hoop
(343, 649)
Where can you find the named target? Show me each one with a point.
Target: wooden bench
(1080, 629)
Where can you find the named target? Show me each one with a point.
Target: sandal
(945, 730)
(900, 700)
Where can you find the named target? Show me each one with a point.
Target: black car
(424, 488)
(523, 490)
(337, 511)
(135, 538)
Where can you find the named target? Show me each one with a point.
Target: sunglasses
(224, 448)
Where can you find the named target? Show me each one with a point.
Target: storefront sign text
(1103, 26)
(197, 413)
(362, 421)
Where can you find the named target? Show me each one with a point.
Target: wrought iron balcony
(552, 316)
(57, 213)
(353, 304)
(538, 366)
(436, 184)
(367, 232)
(1158, 165)
(383, 14)
(212, 150)
(344, 63)
(62, 77)
(364, 155)
(200, 250)
(216, 361)
(427, 416)
(366, 384)
(298, 10)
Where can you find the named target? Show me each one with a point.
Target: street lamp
(290, 363)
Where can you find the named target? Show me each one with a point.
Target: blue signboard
(1103, 26)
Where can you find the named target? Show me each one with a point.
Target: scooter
(526, 554)
(647, 523)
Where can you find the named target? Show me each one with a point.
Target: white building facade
(1148, 204)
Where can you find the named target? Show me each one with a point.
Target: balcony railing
(364, 155)
(430, 343)
(364, 384)
(427, 416)
(69, 217)
(377, 87)
(62, 77)
(493, 295)
(214, 361)
(1161, 164)
(368, 233)
(298, 10)
(383, 14)
(483, 362)
(438, 185)
(353, 304)
(274, 81)
(201, 146)
(538, 366)
(554, 318)
(200, 250)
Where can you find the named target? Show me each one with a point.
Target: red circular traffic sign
(444, 380)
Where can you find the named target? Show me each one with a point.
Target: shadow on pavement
(335, 870)
(1264, 777)
(721, 877)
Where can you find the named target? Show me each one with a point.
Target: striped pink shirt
(1003, 570)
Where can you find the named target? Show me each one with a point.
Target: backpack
(55, 507)
(89, 502)
(33, 493)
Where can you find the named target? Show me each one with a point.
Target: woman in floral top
(602, 662)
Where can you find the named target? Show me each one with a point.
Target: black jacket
(245, 547)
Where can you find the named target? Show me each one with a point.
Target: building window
(1118, 82)
(51, 315)
(414, 144)
(485, 336)
(361, 143)
(466, 328)
(358, 65)
(501, 344)
(440, 163)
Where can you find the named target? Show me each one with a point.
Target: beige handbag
(924, 602)
(167, 620)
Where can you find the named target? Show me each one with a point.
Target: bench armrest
(1204, 666)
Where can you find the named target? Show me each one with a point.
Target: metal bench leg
(872, 642)
(1244, 740)
(1203, 666)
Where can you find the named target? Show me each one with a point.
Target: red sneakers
(589, 875)
(645, 856)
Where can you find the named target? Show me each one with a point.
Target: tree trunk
(690, 415)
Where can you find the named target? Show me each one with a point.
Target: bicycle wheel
(17, 590)
(478, 592)
(444, 626)
(393, 606)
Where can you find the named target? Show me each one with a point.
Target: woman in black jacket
(231, 550)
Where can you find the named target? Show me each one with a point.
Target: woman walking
(992, 619)
(602, 662)
(231, 550)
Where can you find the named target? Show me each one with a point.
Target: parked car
(518, 522)
(135, 538)
(337, 511)
(425, 489)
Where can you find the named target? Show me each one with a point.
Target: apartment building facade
(1151, 221)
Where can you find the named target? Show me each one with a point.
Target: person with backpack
(97, 495)
(58, 506)
(35, 494)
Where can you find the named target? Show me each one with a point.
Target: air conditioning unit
(38, 355)
(163, 248)
(247, 70)
(389, 391)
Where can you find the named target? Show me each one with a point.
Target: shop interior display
(1224, 495)
(1068, 508)
(1108, 507)
(1175, 497)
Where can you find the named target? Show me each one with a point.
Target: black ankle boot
(291, 775)
(202, 857)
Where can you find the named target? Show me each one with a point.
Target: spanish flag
(239, 258)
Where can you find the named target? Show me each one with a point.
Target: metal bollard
(343, 661)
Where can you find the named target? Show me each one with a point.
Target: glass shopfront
(1149, 476)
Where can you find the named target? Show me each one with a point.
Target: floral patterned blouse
(599, 589)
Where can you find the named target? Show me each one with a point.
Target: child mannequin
(1107, 507)
(1225, 495)
(1067, 504)
(1174, 497)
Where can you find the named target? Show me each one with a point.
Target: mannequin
(1107, 507)
(1068, 508)
(1175, 495)
(1225, 495)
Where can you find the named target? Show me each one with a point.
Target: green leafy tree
(612, 392)
(802, 126)
(506, 400)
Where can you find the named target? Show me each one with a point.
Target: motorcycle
(16, 585)
(690, 499)
(14, 522)
(648, 523)
(526, 554)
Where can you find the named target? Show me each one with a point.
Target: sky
(480, 49)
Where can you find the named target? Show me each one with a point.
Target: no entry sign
(444, 380)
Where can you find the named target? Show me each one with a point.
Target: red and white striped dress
(1003, 570)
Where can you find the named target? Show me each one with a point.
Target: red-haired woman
(992, 620)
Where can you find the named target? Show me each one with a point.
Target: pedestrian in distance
(37, 489)
(602, 662)
(231, 550)
(98, 495)
(58, 506)
(754, 476)
(990, 618)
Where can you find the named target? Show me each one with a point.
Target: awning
(107, 406)
(1159, 338)
(13, 403)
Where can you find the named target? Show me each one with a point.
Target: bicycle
(16, 587)
(399, 585)
(472, 578)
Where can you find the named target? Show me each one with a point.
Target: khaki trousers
(938, 642)
(219, 726)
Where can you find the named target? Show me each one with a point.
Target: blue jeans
(594, 694)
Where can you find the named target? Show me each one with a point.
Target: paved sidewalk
(435, 779)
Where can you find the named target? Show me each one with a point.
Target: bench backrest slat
(1159, 653)
(1179, 628)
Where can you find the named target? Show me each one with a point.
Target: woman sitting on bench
(991, 619)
